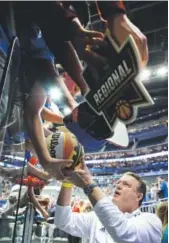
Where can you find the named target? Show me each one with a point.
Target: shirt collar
(133, 214)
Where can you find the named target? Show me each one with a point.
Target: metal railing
(151, 206)
(24, 226)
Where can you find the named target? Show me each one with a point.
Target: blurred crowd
(157, 189)
(5, 188)
(130, 153)
(142, 164)
(149, 125)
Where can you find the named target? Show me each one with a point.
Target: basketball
(64, 145)
(124, 110)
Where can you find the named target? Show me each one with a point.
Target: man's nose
(119, 186)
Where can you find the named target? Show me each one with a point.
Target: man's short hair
(142, 185)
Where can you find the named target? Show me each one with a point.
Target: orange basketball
(124, 110)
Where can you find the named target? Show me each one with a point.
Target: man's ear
(139, 196)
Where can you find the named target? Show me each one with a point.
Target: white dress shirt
(118, 227)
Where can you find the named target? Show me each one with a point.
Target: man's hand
(120, 27)
(79, 177)
(55, 166)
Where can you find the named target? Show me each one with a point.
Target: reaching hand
(120, 27)
(97, 25)
(84, 38)
(79, 177)
(45, 214)
(55, 166)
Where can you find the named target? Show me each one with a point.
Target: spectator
(13, 173)
(44, 74)
(75, 207)
(88, 208)
(82, 206)
(12, 203)
(148, 194)
(162, 187)
(66, 32)
(120, 220)
(154, 190)
(162, 213)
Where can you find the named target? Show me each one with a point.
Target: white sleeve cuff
(62, 214)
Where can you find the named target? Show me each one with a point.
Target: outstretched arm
(71, 63)
(51, 116)
(32, 116)
(77, 224)
(120, 26)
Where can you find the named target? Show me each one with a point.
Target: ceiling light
(55, 94)
(162, 71)
(66, 110)
(145, 74)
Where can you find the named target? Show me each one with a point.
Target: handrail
(28, 227)
(154, 201)
(151, 206)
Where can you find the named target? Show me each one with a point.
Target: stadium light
(66, 110)
(145, 74)
(55, 94)
(162, 71)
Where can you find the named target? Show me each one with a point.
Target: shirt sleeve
(111, 8)
(162, 186)
(77, 224)
(123, 229)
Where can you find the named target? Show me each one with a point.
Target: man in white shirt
(118, 221)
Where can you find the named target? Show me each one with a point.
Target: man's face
(126, 195)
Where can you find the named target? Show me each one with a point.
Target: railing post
(28, 227)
